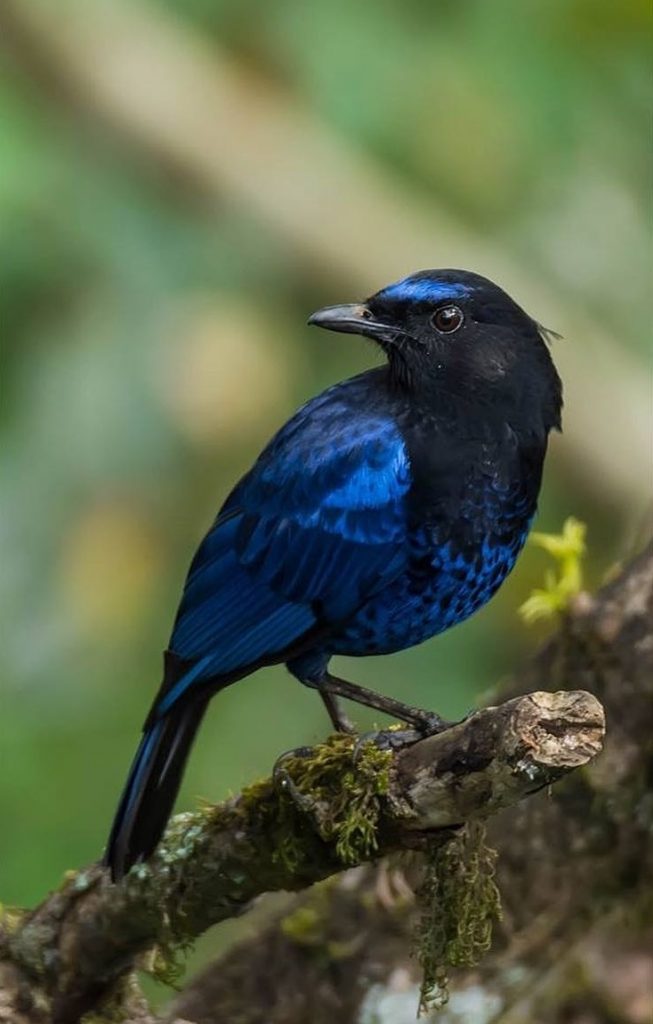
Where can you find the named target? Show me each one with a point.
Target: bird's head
(457, 331)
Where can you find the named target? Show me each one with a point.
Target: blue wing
(307, 536)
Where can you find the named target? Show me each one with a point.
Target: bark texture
(575, 872)
(332, 808)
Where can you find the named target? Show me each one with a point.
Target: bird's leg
(426, 722)
(339, 720)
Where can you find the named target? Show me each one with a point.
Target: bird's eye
(447, 319)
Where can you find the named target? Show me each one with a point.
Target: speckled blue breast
(452, 574)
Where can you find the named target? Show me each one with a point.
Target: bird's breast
(456, 563)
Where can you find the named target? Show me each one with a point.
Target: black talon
(284, 783)
(428, 724)
(278, 771)
(432, 723)
(385, 739)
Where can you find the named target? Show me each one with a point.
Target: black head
(456, 331)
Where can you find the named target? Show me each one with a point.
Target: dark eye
(447, 319)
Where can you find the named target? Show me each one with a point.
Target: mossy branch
(74, 949)
(574, 871)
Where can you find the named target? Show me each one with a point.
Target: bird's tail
(154, 779)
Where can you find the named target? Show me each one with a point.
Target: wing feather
(315, 528)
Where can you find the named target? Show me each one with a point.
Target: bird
(388, 509)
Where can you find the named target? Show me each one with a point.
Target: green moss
(460, 902)
(308, 924)
(166, 962)
(10, 918)
(303, 926)
(342, 799)
(328, 815)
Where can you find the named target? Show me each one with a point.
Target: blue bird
(389, 508)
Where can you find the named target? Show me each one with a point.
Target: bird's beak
(355, 318)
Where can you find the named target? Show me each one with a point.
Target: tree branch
(81, 941)
(574, 872)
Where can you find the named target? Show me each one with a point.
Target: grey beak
(355, 318)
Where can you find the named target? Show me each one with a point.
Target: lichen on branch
(78, 946)
(459, 902)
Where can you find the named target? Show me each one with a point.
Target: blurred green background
(181, 183)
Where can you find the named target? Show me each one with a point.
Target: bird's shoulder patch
(323, 511)
(333, 460)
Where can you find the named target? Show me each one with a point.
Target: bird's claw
(384, 739)
(428, 724)
(284, 783)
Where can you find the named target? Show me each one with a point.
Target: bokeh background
(181, 183)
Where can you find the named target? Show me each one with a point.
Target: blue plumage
(424, 288)
(386, 510)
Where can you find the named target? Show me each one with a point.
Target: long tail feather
(152, 786)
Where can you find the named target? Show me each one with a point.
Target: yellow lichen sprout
(566, 580)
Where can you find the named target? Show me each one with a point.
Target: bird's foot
(428, 723)
(284, 783)
(384, 739)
